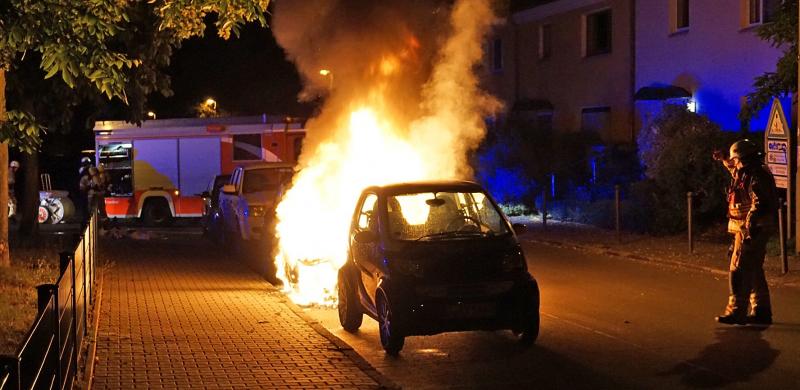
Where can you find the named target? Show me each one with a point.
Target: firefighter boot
(734, 314)
(762, 310)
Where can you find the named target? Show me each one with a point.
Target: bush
(676, 153)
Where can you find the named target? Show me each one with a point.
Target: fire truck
(158, 170)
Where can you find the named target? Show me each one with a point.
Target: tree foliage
(107, 44)
(780, 33)
(676, 151)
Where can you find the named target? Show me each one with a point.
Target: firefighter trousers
(747, 279)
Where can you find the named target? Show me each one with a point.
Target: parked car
(248, 201)
(432, 257)
(212, 219)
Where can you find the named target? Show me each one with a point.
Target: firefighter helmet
(744, 149)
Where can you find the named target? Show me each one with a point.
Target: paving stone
(179, 313)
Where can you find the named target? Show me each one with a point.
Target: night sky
(248, 75)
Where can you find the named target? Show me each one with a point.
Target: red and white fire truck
(159, 169)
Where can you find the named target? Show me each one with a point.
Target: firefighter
(752, 211)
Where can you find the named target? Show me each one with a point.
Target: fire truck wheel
(156, 212)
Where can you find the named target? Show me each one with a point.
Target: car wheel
(528, 331)
(391, 341)
(350, 313)
(156, 212)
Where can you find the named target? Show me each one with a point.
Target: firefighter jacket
(752, 199)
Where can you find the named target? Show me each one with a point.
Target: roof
(427, 186)
(661, 92)
(195, 122)
(262, 165)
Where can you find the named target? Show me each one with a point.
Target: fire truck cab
(159, 169)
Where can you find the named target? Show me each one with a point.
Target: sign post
(777, 145)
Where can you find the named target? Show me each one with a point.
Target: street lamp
(329, 74)
(211, 103)
(151, 115)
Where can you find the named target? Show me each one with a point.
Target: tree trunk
(29, 207)
(5, 258)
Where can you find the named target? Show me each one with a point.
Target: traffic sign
(776, 143)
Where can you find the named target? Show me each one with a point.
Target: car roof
(427, 186)
(262, 165)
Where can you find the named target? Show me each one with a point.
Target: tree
(781, 33)
(75, 39)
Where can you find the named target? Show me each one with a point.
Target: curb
(88, 375)
(383, 381)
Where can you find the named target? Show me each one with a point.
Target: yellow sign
(777, 128)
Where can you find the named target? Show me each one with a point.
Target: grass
(29, 267)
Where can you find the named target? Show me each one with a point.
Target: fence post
(689, 198)
(782, 238)
(617, 212)
(10, 364)
(44, 291)
(544, 209)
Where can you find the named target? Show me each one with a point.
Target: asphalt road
(608, 323)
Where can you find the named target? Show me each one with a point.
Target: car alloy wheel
(392, 342)
(350, 313)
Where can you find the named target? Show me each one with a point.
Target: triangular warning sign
(777, 126)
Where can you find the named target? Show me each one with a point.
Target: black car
(211, 220)
(432, 257)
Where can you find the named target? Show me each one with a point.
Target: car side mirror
(229, 189)
(366, 237)
(520, 228)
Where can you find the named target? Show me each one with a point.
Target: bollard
(782, 238)
(617, 212)
(689, 197)
(544, 209)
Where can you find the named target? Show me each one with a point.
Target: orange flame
(373, 148)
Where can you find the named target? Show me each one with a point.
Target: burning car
(433, 257)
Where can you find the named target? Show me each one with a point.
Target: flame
(373, 144)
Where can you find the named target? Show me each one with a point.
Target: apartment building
(566, 65)
(703, 52)
(607, 66)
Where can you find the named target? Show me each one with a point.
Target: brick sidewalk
(177, 314)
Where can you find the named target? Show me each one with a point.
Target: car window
(444, 215)
(367, 215)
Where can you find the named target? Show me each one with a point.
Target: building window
(497, 54)
(596, 119)
(681, 15)
(762, 11)
(247, 147)
(545, 41)
(598, 33)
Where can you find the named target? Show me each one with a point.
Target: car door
(228, 203)
(365, 255)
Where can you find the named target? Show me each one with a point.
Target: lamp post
(329, 74)
(211, 103)
(151, 115)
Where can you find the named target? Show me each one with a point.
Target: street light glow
(151, 114)
(324, 72)
(211, 103)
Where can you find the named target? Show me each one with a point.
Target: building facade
(566, 65)
(607, 66)
(704, 51)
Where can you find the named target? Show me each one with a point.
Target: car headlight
(512, 261)
(258, 211)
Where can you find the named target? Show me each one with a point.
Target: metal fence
(49, 356)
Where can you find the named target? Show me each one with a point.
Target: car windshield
(265, 179)
(443, 215)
